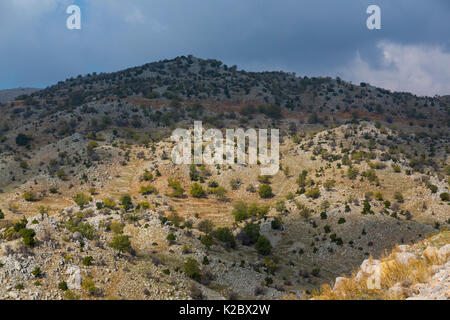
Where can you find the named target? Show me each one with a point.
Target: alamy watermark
(211, 148)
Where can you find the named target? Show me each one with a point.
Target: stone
(74, 280)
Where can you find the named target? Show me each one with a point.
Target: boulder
(74, 280)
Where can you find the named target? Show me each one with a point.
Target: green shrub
(276, 223)
(82, 200)
(329, 184)
(444, 197)
(29, 196)
(146, 190)
(398, 196)
(225, 235)
(265, 191)
(28, 237)
(63, 286)
(207, 241)
(219, 192)
(191, 269)
(126, 202)
(252, 232)
(171, 237)
(352, 173)
(313, 193)
(147, 176)
(87, 261)
(263, 246)
(341, 221)
(197, 191)
(37, 272)
(240, 211)
(121, 243)
(23, 140)
(177, 190)
(367, 209)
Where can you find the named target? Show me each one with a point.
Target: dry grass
(392, 273)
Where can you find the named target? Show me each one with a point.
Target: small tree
(263, 246)
(224, 234)
(121, 243)
(126, 202)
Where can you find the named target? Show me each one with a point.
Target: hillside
(87, 163)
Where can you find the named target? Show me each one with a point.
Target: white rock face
(404, 257)
(74, 281)
(444, 251)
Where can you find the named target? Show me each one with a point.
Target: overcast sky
(310, 37)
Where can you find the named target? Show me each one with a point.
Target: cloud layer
(424, 70)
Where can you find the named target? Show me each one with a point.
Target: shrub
(2, 215)
(313, 193)
(89, 285)
(240, 211)
(116, 227)
(71, 295)
(341, 221)
(85, 229)
(109, 203)
(276, 223)
(235, 184)
(197, 191)
(432, 188)
(63, 286)
(206, 226)
(263, 246)
(352, 173)
(251, 230)
(396, 168)
(147, 176)
(280, 206)
(145, 190)
(82, 200)
(23, 140)
(191, 269)
(121, 243)
(29, 196)
(28, 237)
(367, 208)
(126, 202)
(87, 261)
(37, 272)
(398, 196)
(301, 181)
(444, 197)
(329, 184)
(207, 241)
(171, 237)
(177, 190)
(219, 192)
(224, 235)
(265, 191)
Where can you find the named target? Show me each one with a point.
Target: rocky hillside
(92, 207)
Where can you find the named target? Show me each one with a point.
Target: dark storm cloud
(310, 37)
